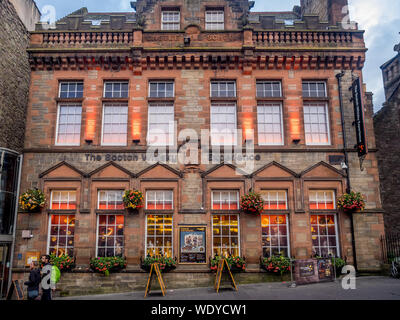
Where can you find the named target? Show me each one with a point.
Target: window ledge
(124, 100)
(220, 99)
(61, 212)
(267, 99)
(150, 99)
(225, 211)
(323, 211)
(117, 212)
(158, 211)
(275, 212)
(316, 99)
(70, 99)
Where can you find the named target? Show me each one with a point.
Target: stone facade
(112, 51)
(387, 130)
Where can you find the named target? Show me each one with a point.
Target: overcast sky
(379, 18)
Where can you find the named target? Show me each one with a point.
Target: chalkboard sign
(19, 291)
(192, 245)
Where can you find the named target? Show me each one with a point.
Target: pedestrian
(34, 281)
(47, 284)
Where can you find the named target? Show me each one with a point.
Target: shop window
(269, 89)
(215, 20)
(61, 235)
(113, 89)
(170, 20)
(110, 200)
(159, 235)
(275, 199)
(314, 89)
(159, 200)
(63, 200)
(115, 124)
(110, 241)
(275, 235)
(71, 90)
(225, 200)
(223, 89)
(324, 235)
(316, 124)
(161, 125)
(270, 124)
(223, 124)
(226, 235)
(161, 89)
(322, 200)
(69, 124)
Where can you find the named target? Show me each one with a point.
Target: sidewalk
(367, 288)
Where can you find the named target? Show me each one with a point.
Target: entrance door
(4, 268)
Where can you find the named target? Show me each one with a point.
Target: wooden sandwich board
(155, 270)
(221, 266)
(19, 292)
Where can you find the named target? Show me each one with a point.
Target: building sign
(359, 119)
(192, 244)
(313, 271)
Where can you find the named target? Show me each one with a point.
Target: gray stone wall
(14, 77)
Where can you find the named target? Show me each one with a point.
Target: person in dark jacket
(47, 284)
(34, 281)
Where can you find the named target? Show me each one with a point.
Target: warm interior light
(295, 126)
(90, 127)
(136, 127)
(248, 130)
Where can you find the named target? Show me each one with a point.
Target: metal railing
(390, 248)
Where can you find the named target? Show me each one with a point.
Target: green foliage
(107, 264)
(32, 200)
(235, 263)
(351, 201)
(276, 264)
(63, 262)
(252, 203)
(133, 199)
(166, 263)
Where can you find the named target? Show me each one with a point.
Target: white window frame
(70, 82)
(121, 105)
(219, 82)
(238, 235)
(115, 82)
(107, 191)
(60, 191)
(216, 134)
(279, 236)
(264, 105)
(158, 82)
(169, 23)
(263, 82)
(268, 192)
(49, 231)
(317, 104)
(164, 197)
(309, 91)
(222, 191)
(172, 233)
(97, 233)
(324, 199)
(59, 106)
(209, 25)
(338, 251)
(171, 125)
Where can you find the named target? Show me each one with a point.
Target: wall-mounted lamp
(186, 40)
(136, 141)
(296, 141)
(88, 141)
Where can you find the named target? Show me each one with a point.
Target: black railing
(390, 248)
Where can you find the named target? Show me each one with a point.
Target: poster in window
(192, 245)
(325, 270)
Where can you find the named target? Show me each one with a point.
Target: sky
(379, 18)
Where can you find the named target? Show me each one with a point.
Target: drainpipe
(20, 160)
(339, 77)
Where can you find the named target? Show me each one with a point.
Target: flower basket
(252, 203)
(133, 200)
(106, 265)
(278, 265)
(32, 201)
(64, 262)
(166, 264)
(351, 202)
(236, 264)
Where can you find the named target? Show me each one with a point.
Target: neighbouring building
(17, 18)
(387, 131)
(106, 90)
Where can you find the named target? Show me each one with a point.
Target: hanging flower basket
(106, 265)
(351, 202)
(236, 264)
(252, 203)
(32, 200)
(276, 265)
(133, 200)
(166, 264)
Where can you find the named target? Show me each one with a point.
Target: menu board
(325, 270)
(306, 271)
(192, 244)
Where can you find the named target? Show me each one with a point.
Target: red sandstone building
(105, 85)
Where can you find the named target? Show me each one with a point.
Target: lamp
(186, 40)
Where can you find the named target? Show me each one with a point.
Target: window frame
(325, 191)
(221, 191)
(221, 81)
(66, 190)
(108, 190)
(282, 133)
(166, 10)
(172, 232)
(238, 235)
(207, 22)
(69, 82)
(97, 233)
(122, 144)
(161, 82)
(171, 135)
(335, 215)
(115, 82)
(59, 106)
(269, 211)
(327, 118)
(49, 231)
(272, 82)
(234, 133)
(278, 236)
(163, 191)
(317, 82)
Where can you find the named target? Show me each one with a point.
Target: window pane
(270, 125)
(316, 124)
(110, 200)
(61, 237)
(69, 124)
(160, 241)
(116, 89)
(226, 238)
(324, 235)
(322, 200)
(274, 235)
(110, 235)
(115, 122)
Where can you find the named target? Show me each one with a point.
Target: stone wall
(328, 10)
(14, 77)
